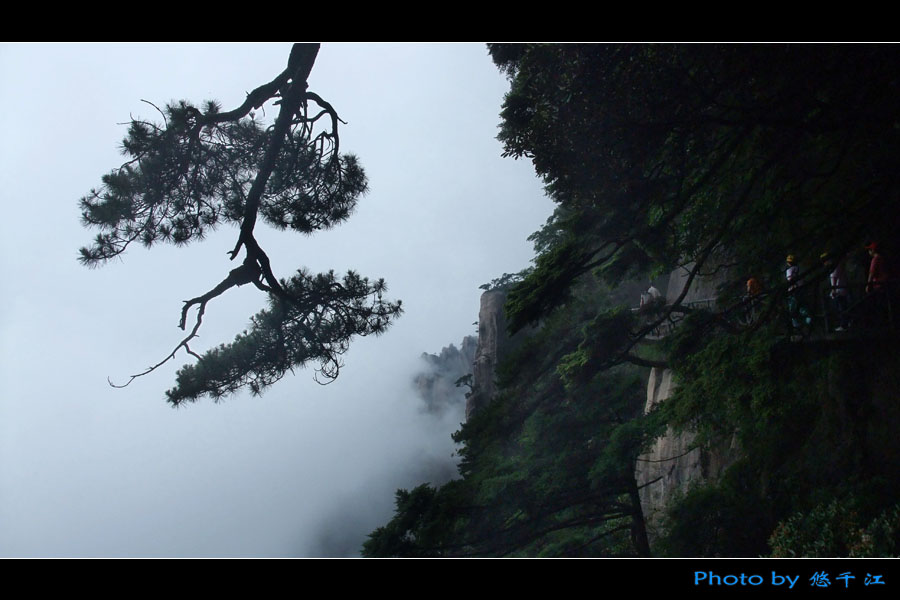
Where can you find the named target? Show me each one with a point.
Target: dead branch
(182, 344)
(248, 272)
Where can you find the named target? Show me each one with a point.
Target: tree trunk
(638, 526)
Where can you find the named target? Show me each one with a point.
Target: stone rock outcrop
(494, 344)
(670, 466)
(702, 287)
(492, 337)
(436, 384)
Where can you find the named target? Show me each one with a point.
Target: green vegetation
(706, 158)
(838, 529)
(542, 464)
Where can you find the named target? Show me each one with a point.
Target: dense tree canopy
(702, 155)
(712, 158)
(544, 473)
(202, 167)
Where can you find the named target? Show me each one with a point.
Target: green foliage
(505, 281)
(398, 537)
(662, 154)
(187, 176)
(712, 156)
(547, 286)
(602, 337)
(722, 519)
(803, 417)
(838, 528)
(426, 519)
(546, 469)
(742, 392)
(314, 322)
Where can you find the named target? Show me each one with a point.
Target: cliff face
(492, 339)
(436, 384)
(702, 287)
(670, 467)
(494, 344)
(669, 464)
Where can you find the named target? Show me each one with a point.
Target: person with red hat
(752, 299)
(878, 273)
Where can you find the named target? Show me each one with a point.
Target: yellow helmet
(790, 259)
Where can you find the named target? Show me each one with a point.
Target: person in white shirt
(799, 314)
(838, 293)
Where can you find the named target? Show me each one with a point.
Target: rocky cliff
(436, 383)
(671, 465)
(494, 344)
(492, 338)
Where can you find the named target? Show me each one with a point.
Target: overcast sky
(88, 470)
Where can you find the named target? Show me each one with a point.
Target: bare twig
(182, 344)
(162, 114)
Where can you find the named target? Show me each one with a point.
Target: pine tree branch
(291, 102)
(203, 168)
(300, 64)
(182, 344)
(256, 263)
(246, 273)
